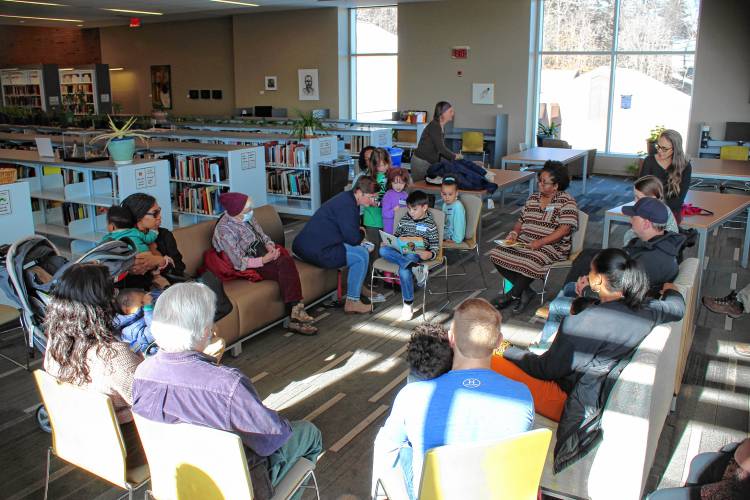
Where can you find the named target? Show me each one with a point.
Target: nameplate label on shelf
(145, 178)
(5, 206)
(54, 100)
(381, 137)
(248, 160)
(326, 146)
(104, 97)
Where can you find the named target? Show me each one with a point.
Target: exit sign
(459, 52)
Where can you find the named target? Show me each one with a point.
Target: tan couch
(257, 306)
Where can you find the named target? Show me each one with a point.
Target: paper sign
(145, 178)
(54, 100)
(248, 160)
(44, 147)
(5, 206)
(104, 97)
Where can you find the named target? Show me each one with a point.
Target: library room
(359, 249)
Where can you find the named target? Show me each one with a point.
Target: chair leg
(544, 286)
(481, 271)
(315, 482)
(46, 474)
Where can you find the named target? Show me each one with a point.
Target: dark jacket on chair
(468, 174)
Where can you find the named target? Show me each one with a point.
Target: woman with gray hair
(431, 148)
(180, 384)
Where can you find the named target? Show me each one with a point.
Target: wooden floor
(344, 380)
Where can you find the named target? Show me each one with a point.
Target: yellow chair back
(191, 462)
(734, 152)
(472, 142)
(511, 468)
(85, 431)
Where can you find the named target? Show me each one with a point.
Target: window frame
(613, 53)
(354, 55)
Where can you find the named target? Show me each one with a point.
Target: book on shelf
(287, 182)
(291, 154)
(358, 142)
(74, 211)
(199, 200)
(198, 168)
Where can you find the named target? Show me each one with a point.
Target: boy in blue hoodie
(455, 213)
(135, 309)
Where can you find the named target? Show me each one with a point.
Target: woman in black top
(568, 381)
(672, 168)
(431, 148)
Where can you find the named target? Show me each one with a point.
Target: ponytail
(623, 274)
(440, 108)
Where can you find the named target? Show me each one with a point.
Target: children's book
(404, 244)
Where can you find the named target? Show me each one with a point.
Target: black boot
(526, 297)
(506, 301)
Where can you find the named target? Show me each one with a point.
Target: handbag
(689, 209)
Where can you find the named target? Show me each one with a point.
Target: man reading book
(416, 227)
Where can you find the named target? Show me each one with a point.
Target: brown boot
(743, 350)
(357, 307)
(728, 305)
(299, 314)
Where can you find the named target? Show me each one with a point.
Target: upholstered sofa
(257, 306)
(617, 469)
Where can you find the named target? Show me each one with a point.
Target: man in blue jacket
(332, 239)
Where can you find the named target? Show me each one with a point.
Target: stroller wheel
(42, 418)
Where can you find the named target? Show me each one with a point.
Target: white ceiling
(92, 14)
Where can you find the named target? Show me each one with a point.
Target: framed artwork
(193, 94)
(217, 94)
(272, 83)
(483, 93)
(308, 85)
(205, 94)
(161, 87)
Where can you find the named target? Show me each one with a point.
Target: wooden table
(538, 156)
(505, 179)
(722, 170)
(724, 206)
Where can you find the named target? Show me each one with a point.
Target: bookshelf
(15, 212)
(69, 200)
(199, 173)
(30, 87)
(85, 90)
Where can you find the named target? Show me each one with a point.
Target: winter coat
(468, 174)
(658, 257)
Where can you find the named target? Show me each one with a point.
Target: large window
(374, 62)
(611, 70)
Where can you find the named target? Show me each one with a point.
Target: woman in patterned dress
(542, 236)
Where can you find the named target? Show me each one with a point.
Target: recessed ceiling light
(233, 2)
(37, 3)
(66, 69)
(116, 69)
(128, 11)
(43, 18)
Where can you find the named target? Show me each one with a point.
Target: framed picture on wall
(205, 94)
(161, 86)
(217, 94)
(272, 83)
(193, 94)
(308, 85)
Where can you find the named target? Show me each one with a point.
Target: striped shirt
(424, 228)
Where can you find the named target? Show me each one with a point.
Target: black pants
(520, 282)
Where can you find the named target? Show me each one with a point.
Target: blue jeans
(559, 309)
(357, 260)
(404, 271)
(306, 441)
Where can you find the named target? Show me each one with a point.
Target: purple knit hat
(233, 203)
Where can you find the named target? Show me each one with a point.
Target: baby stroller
(29, 271)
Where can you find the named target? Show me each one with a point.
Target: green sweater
(139, 238)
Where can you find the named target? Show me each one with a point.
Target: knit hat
(233, 203)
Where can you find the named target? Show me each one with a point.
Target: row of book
(357, 143)
(69, 176)
(291, 154)
(288, 182)
(74, 211)
(203, 200)
(21, 90)
(198, 168)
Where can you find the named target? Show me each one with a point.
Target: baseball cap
(648, 208)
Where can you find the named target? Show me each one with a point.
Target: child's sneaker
(421, 271)
(406, 312)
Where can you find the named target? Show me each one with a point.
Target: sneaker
(377, 297)
(421, 271)
(407, 312)
(543, 312)
(743, 350)
(728, 305)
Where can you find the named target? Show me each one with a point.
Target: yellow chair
(507, 469)
(473, 205)
(386, 266)
(734, 152)
(85, 433)
(192, 462)
(472, 142)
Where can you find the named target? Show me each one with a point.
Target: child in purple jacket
(395, 197)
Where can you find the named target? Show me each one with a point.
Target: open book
(404, 244)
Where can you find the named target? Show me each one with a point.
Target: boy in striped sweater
(416, 224)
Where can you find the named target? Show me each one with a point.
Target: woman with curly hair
(82, 348)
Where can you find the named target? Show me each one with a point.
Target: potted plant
(543, 131)
(307, 125)
(653, 136)
(120, 141)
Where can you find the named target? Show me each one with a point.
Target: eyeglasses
(659, 147)
(156, 213)
(550, 183)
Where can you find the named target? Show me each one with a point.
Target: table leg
(503, 163)
(605, 231)
(746, 243)
(531, 185)
(585, 171)
(702, 239)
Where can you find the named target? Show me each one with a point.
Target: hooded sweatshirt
(658, 256)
